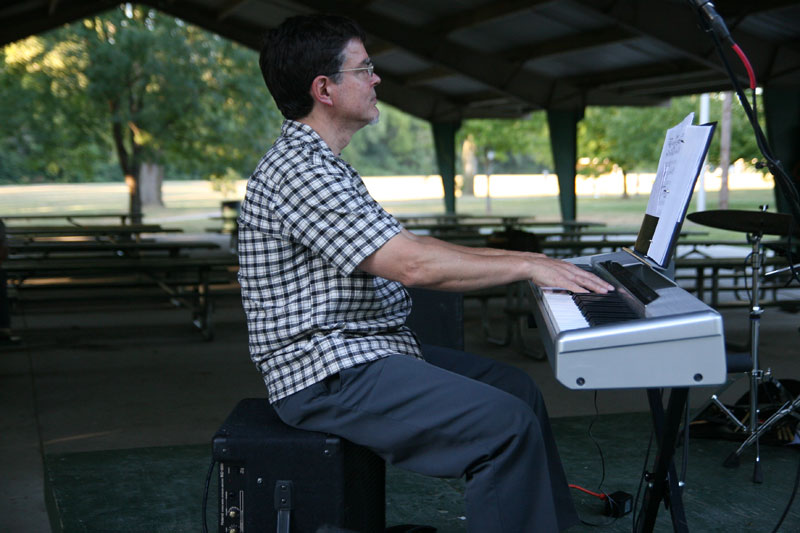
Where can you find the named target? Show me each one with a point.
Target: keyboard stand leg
(662, 484)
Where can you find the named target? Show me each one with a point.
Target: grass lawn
(191, 205)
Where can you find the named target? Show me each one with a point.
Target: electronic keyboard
(647, 333)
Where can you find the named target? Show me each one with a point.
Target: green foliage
(743, 140)
(226, 182)
(101, 96)
(136, 81)
(399, 144)
(631, 137)
(519, 145)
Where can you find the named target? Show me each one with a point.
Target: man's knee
(521, 385)
(515, 419)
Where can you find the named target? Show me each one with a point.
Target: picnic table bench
(738, 267)
(490, 223)
(46, 249)
(694, 246)
(171, 274)
(108, 232)
(69, 217)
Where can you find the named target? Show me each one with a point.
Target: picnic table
(573, 244)
(69, 217)
(171, 274)
(709, 268)
(117, 232)
(440, 224)
(45, 249)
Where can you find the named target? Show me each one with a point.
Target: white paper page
(667, 164)
(684, 157)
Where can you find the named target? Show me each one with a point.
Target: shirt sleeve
(326, 212)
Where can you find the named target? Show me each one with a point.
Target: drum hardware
(755, 224)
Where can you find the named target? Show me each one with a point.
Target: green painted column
(782, 113)
(564, 144)
(444, 139)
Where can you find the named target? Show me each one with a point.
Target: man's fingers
(581, 280)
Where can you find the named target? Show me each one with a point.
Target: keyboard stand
(663, 483)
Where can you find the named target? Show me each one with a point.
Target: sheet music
(665, 183)
(682, 157)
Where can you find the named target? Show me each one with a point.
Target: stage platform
(160, 489)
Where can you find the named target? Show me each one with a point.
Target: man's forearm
(417, 261)
(463, 249)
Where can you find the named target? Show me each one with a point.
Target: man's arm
(418, 261)
(465, 249)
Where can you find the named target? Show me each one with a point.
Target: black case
(437, 317)
(273, 477)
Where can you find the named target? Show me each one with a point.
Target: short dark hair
(300, 49)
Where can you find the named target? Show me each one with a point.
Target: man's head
(299, 50)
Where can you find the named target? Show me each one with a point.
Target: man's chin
(376, 118)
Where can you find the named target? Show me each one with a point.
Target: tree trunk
(624, 184)
(128, 163)
(134, 199)
(151, 177)
(469, 162)
(725, 148)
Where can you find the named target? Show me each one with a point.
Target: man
(322, 269)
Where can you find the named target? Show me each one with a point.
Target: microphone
(717, 24)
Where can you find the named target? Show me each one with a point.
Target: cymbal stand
(756, 374)
(788, 408)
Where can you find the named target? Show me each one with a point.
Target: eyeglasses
(370, 70)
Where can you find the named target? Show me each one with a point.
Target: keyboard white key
(564, 310)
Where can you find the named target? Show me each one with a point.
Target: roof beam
(490, 69)
(417, 101)
(569, 43)
(242, 32)
(429, 74)
(474, 16)
(615, 79)
(43, 18)
(659, 19)
(229, 7)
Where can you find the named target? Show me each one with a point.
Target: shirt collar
(306, 134)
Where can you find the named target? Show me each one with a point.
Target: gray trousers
(454, 414)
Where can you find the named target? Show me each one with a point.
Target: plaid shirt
(307, 221)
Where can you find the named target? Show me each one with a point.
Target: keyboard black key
(604, 308)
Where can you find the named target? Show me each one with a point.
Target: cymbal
(747, 221)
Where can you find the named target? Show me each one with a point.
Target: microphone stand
(713, 23)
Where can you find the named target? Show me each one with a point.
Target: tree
(150, 87)
(628, 137)
(515, 143)
(631, 138)
(398, 144)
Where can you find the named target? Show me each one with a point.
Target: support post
(444, 139)
(564, 144)
(782, 112)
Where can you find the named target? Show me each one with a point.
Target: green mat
(160, 489)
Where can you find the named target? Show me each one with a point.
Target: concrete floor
(110, 374)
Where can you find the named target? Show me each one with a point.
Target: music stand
(755, 224)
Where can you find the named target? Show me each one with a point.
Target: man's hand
(548, 272)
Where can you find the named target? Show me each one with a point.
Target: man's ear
(320, 90)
